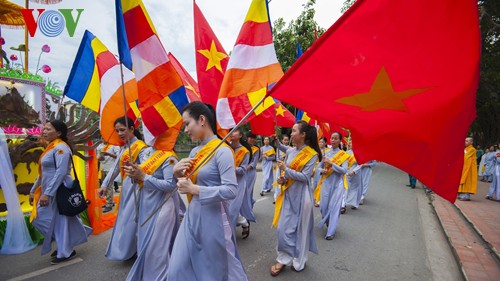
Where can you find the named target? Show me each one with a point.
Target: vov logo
(51, 22)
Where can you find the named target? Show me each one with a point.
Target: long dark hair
(245, 143)
(62, 128)
(125, 120)
(196, 108)
(311, 137)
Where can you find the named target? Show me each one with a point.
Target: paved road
(394, 236)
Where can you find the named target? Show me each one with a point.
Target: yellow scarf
(199, 158)
(155, 161)
(255, 149)
(338, 159)
(38, 190)
(135, 148)
(270, 152)
(297, 164)
(240, 155)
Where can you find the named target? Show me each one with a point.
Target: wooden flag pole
(208, 156)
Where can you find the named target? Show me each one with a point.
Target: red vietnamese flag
(277, 115)
(402, 76)
(211, 58)
(192, 90)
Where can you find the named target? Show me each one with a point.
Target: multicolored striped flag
(95, 82)
(192, 88)
(253, 66)
(161, 91)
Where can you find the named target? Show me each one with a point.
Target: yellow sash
(155, 161)
(255, 149)
(135, 148)
(199, 158)
(270, 152)
(338, 159)
(297, 164)
(240, 155)
(38, 190)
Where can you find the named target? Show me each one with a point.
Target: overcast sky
(173, 20)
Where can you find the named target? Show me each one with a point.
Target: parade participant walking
(123, 242)
(205, 246)
(494, 190)
(155, 237)
(268, 156)
(468, 182)
(106, 155)
(248, 201)
(366, 173)
(355, 181)
(54, 169)
(293, 214)
(489, 165)
(242, 156)
(282, 146)
(331, 189)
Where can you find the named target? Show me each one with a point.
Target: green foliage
(486, 128)
(299, 31)
(347, 4)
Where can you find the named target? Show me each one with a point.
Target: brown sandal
(275, 271)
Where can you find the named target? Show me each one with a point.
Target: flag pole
(197, 167)
(128, 140)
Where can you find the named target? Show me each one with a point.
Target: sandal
(342, 210)
(246, 231)
(275, 271)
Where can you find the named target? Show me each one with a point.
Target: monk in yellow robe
(468, 182)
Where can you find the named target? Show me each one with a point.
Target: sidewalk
(473, 230)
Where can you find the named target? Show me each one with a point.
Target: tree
(299, 31)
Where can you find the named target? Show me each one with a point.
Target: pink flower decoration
(46, 68)
(46, 48)
(13, 130)
(34, 131)
(13, 57)
(2, 41)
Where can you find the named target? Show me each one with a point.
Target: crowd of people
(170, 240)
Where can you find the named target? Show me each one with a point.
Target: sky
(173, 20)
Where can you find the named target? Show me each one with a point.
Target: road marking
(45, 270)
(261, 199)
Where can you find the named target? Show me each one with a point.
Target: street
(394, 236)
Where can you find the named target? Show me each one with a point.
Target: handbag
(70, 201)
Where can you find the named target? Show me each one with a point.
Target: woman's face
(192, 127)
(297, 136)
(235, 136)
(285, 140)
(335, 140)
(321, 143)
(49, 132)
(123, 132)
(266, 141)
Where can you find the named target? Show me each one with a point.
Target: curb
(453, 250)
(480, 234)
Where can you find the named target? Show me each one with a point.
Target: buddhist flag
(211, 58)
(252, 67)
(95, 82)
(161, 91)
(192, 89)
(402, 76)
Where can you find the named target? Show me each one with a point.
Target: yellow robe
(468, 183)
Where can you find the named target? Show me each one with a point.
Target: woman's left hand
(281, 165)
(186, 186)
(134, 171)
(44, 200)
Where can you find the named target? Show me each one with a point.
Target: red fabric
(264, 123)
(192, 90)
(402, 76)
(209, 81)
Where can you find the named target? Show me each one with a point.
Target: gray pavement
(394, 236)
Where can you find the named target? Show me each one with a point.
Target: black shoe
(54, 254)
(409, 185)
(412, 187)
(330, 237)
(60, 260)
(262, 193)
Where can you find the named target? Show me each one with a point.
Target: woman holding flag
(330, 189)
(205, 246)
(293, 214)
(268, 155)
(155, 235)
(123, 242)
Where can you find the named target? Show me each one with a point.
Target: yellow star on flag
(214, 57)
(280, 111)
(381, 95)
